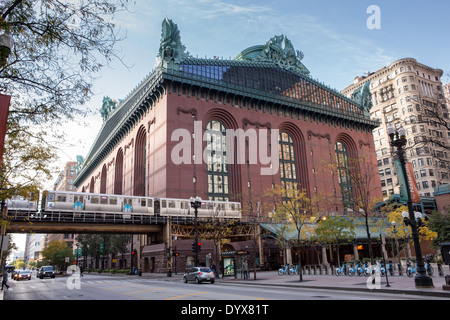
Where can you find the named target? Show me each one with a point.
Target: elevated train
(67, 202)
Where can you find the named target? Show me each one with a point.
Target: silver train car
(65, 201)
(20, 203)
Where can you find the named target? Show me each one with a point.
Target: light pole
(398, 143)
(196, 203)
(6, 44)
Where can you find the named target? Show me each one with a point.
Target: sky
(333, 35)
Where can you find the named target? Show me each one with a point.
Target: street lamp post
(196, 203)
(398, 142)
(6, 44)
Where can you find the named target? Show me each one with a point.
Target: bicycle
(294, 270)
(410, 270)
(285, 270)
(342, 270)
(429, 269)
(367, 271)
(352, 271)
(390, 268)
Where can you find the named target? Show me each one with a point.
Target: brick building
(157, 141)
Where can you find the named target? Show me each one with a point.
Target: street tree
(56, 253)
(59, 47)
(335, 229)
(365, 192)
(300, 210)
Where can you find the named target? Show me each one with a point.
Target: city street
(124, 287)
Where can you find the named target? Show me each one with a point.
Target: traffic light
(199, 246)
(133, 253)
(194, 246)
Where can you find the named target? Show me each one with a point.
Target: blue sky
(333, 35)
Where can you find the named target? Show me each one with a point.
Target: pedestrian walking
(5, 279)
(214, 269)
(245, 269)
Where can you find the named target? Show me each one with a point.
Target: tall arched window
(288, 165)
(345, 180)
(140, 154)
(103, 180)
(92, 185)
(217, 166)
(118, 174)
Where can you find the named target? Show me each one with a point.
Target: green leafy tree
(300, 211)
(335, 229)
(59, 47)
(56, 253)
(440, 223)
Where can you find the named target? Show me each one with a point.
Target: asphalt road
(101, 287)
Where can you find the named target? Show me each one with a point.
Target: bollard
(441, 271)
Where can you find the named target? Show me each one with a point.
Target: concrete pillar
(288, 256)
(355, 252)
(324, 255)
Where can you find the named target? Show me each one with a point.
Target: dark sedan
(23, 274)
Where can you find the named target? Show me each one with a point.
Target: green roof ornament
(363, 97)
(108, 106)
(171, 49)
(287, 57)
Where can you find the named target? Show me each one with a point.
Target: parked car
(199, 274)
(46, 271)
(23, 274)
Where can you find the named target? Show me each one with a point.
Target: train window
(61, 198)
(203, 206)
(232, 207)
(113, 200)
(150, 203)
(163, 203)
(171, 204)
(94, 199)
(143, 202)
(103, 200)
(77, 198)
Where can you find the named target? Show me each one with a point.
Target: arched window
(345, 180)
(103, 180)
(217, 166)
(140, 154)
(92, 185)
(118, 174)
(288, 165)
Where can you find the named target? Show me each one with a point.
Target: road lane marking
(144, 290)
(187, 295)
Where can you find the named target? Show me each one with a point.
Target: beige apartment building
(409, 94)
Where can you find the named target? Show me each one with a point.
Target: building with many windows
(228, 130)
(409, 94)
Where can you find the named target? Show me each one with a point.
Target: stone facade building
(159, 140)
(409, 94)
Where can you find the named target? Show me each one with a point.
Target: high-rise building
(64, 181)
(409, 94)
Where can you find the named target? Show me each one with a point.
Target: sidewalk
(398, 284)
